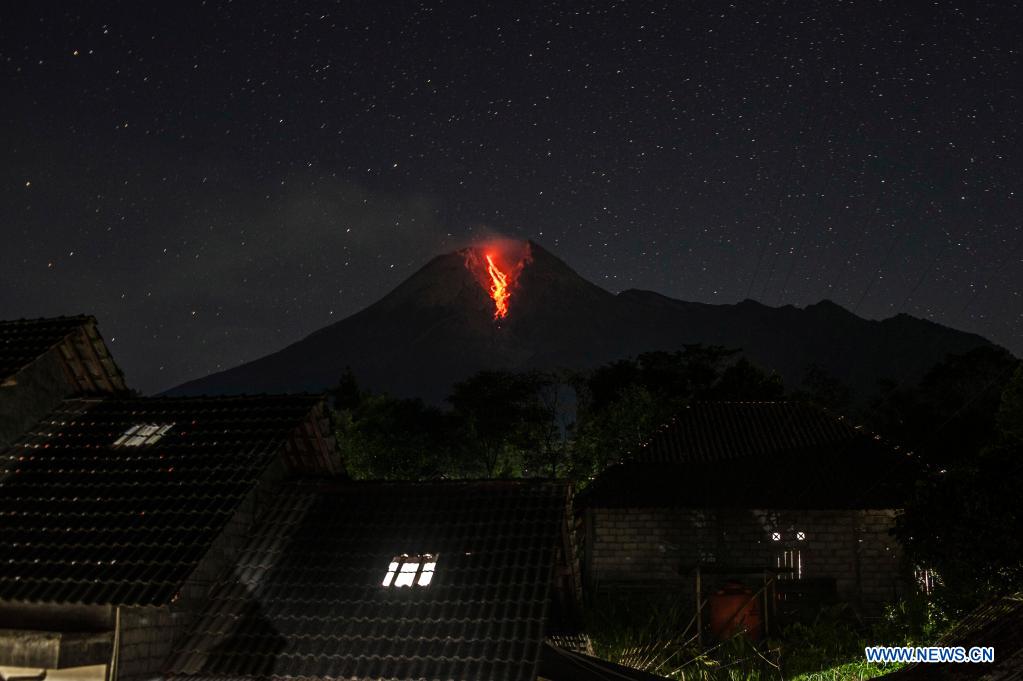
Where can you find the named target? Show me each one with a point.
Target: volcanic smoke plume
(496, 265)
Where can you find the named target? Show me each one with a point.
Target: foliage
(386, 438)
(620, 404)
(821, 388)
(509, 422)
(659, 637)
(965, 521)
(951, 414)
(550, 424)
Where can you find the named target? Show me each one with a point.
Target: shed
(782, 491)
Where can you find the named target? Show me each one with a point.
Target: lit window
(801, 536)
(791, 563)
(406, 570)
(143, 434)
(776, 536)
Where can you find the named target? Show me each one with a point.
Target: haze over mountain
(438, 327)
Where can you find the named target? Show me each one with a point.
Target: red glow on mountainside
(496, 265)
(498, 289)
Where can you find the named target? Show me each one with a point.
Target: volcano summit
(514, 305)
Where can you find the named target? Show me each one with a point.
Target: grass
(658, 635)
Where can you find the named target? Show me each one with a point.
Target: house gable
(43, 361)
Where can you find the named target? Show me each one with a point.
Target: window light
(800, 536)
(143, 434)
(406, 570)
(776, 536)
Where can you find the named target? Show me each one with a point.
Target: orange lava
(498, 288)
(496, 265)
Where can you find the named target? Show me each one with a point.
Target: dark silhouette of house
(43, 361)
(776, 493)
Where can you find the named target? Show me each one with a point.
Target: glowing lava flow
(496, 267)
(498, 288)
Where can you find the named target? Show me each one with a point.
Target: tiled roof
(757, 455)
(306, 599)
(86, 358)
(997, 623)
(717, 431)
(83, 520)
(23, 340)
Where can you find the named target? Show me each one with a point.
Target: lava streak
(496, 265)
(498, 288)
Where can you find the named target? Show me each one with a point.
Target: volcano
(441, 325)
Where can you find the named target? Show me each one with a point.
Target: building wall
(149, 634)
(38, 390)
(659, 548)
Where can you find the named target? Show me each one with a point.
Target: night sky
(216, 180)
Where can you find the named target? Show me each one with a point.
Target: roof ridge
(59, 318)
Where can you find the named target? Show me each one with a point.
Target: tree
(821, 388)
(500, 416)
(951, 414)
(622, 403)
(965, 520)
(396, 439)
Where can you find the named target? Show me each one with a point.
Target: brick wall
(658, 548)
(149, 635)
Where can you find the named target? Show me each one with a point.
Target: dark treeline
(536, 423)
(964, 421)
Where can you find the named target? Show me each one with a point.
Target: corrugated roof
(306, 599)
(997, 623)
(85, 521)
(757, 455)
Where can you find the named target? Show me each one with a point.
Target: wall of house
(148, 635)
(658, 549)
(35, 392)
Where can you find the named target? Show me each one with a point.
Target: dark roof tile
(24, 340)
(90, 522)
(757, 455)
(722, 431)
(85, 355)
(306, 598)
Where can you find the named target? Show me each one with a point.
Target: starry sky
(215, 180)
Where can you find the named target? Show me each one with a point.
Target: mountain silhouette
(438, 327)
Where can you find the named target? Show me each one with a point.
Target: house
(43, 361)
(117, 513)
(439, 580)
(209, 538)
(782, 497)
(997, 624)
(219, 538)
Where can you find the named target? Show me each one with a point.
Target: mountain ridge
(438, 327)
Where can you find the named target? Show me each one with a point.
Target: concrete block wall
(660, 547)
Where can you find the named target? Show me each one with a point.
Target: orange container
(733, 609)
